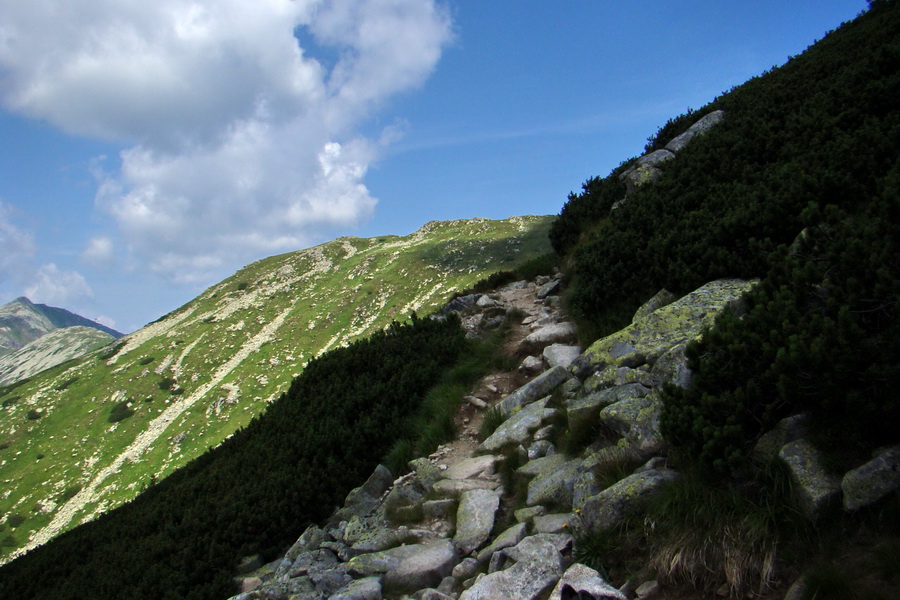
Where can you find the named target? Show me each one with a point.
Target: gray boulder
(553, 480)
(785, 431)
(423, 568)
(584, 583)
(363, 499)
(627, 497)
(368, 588)
(454, 488)
(507, 539)
(537, 568)
(869, 483)
(549, 288)
(698, 128)
(477, 466)
(561, 355)
(558, 333)
(637, 420)
(535, 389)
(662, 298)
(816, 489)
(475, 519)
(673, 324)
(531, 364)
(517, 428)
(375, 563)
(460, 304)
(554, 523)
(426, 473)
(583, 412)
(672, 366)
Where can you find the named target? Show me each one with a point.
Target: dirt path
(497, 385)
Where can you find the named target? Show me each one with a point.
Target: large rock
(666, 327)
(816, 489)
(872, 481)
(366, 497)
(700, 127)
(461, 303)
(582, 412)
(672, 367)
(662, 298)
(475, 519)
(637, 420)
(423, 568)
(375, 563)
(535, 389)
(553, 480)
(517, 429)
(561, 355)
(477, 466)
(785, 431)
(368, 588)
(558, 333)
(507, 539)
(625, 498)
(538, 567)
(584, 583)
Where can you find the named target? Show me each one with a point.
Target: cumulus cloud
(53, 286)
(99, 252)
(241, 138)
(16, 245)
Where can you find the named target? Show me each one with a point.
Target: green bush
(146, 360)
(166, 384)
(120, 411)
(15, 520)
(10, 401)
(62, 386)
(34, 414)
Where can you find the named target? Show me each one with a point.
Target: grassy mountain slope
(85, 437)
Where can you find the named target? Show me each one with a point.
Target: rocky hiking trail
(498, 518)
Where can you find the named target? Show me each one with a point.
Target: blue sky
(152, 149)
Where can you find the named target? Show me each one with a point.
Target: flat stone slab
(561, 355)
(455, 487)
(581, 581)
(534, 390)
(518, 428)
(477, 466)
(627, 497)
(815, 487)
(869, 483)
(475, 519)
(423, 568)
(537, 569)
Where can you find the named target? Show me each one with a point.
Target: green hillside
(82, 438)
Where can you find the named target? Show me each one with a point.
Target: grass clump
(493, 418)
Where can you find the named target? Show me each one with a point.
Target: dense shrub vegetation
(811, 146)
(259, 489)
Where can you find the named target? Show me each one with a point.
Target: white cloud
(98, 252)
(16, 246)
(104, 320)
(241, 141)
(52, 286)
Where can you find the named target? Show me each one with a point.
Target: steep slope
(49, 350)
(83, 438)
